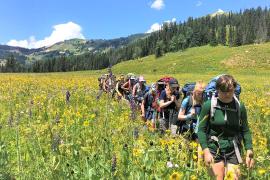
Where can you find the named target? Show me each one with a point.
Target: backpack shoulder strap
(190, 103)
(238, 109)
(213, 105)
(148, 96)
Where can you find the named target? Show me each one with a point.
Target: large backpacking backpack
(210, 89)
(161, 83)
(188, 89)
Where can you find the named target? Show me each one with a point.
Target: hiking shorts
(229, 157)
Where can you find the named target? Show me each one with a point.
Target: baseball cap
(173, 83)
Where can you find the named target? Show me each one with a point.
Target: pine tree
(159, 49)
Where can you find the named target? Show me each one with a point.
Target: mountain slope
(68, 47)
(205, 59)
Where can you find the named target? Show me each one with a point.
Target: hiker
(118, 87)
(128, 86)
(190, 108)
(101, 81)
(105, 84)
(169, 102)
(139, 90)
(149, 105)
(109, 84)
(223, 126)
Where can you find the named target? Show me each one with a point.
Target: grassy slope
(196, 63)
(204, 60)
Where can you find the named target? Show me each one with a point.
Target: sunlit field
(46, 135)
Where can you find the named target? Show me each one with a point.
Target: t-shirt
(163, 96)
(187, 106)
(172, 106)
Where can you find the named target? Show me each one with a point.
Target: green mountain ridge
(67, 48)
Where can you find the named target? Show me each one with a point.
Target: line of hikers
(210, 114)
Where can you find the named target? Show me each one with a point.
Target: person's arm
(142, 108)
(134, 90)
(125, 86)
(202, 133)
(104, 85)
(182, 116)
(163, 104)
(204, 125)
(246, 134)
(117, 89)
(245, 129)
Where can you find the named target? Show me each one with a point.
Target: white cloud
(154, 27)
(157, 4)
(157, 26)
(220, 11)
(169, 21)
(199, 3)
(60, 33)
(20, 43)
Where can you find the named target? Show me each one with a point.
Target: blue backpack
(210, 89)
(187, 89)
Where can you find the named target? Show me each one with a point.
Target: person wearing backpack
(118, 87)
(223, 126)
(128, 86)
(169, 102)
(190, 109)
(149, 105)
(139, 90)
(101, 81)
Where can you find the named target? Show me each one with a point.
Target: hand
(208, 158)
(143, 116)
(249, 159)
(173, 98)
(193, 112)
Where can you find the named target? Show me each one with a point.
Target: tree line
(229, 29)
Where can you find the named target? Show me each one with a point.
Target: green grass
(204, 60)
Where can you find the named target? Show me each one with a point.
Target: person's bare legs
(218, 170)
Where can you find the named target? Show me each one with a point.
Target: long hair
(199, 87)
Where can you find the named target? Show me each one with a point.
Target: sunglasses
(226, 90)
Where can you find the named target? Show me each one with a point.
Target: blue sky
(35, 23)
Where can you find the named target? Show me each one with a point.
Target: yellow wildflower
(230, 175)
(176, 176)
(86, 123)
(262, 171)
